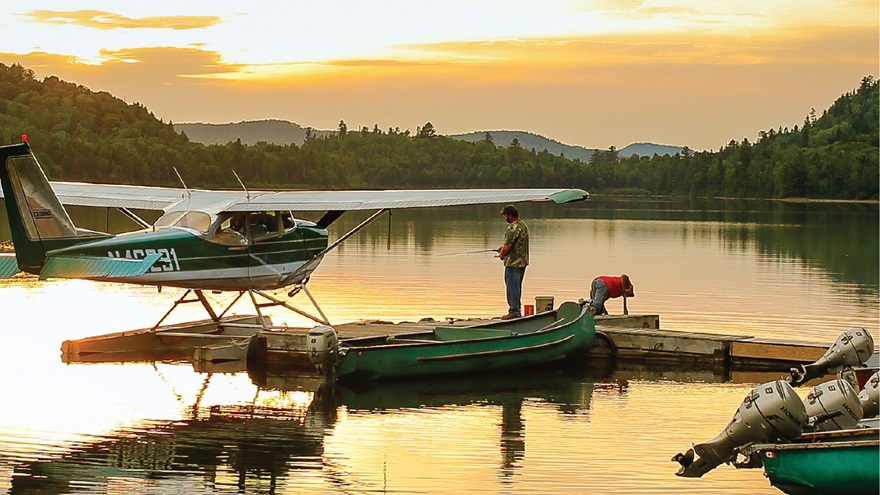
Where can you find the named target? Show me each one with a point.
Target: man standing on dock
(515, 255)
(604, 288)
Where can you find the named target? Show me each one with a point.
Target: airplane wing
(397, 199)
(167, 198)
(117, 196)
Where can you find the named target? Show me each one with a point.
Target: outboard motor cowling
(323, 348)
(852, 348)
(869, 397)
(833, 405)
(771, 411)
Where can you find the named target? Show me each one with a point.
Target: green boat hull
(530, 341)
(842, 466)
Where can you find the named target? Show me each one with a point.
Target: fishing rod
(471, 252)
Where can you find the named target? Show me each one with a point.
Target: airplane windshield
(258, 226)
(195, 220)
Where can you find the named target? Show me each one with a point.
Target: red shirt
(615, 285)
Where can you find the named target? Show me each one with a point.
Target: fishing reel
(852, 348)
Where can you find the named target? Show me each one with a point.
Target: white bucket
(543, 303)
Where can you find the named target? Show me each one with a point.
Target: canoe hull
(495, 346)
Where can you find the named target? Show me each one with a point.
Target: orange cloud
(152, 76)
(99, 19)
(817, 45)
(168, 61)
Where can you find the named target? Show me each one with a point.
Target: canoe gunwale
(822, 440)
(840, 444)
(411, 340)
(499, 352)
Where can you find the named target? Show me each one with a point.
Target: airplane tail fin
(37, 220)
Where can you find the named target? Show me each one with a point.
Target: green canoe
(835, 462)
(529, 341)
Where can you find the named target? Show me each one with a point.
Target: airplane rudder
(34, 211)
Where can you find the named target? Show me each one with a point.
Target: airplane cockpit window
(168, 219)
(230, 229)
(237, 228)
(287, 221)
(263, 223)
(196, 220)
(266, 224)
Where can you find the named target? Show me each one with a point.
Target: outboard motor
(833, 405)
(323, 348)
(852, 348)
(869, 397)
(771, 411)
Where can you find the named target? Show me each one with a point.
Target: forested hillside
(79, 134)
(834, 156)
(286, 132)
(83, 135)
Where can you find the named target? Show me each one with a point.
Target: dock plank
(776, 349)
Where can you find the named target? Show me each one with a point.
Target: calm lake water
(804, 271)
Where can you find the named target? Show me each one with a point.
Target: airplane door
(273, 247)
(260, 231)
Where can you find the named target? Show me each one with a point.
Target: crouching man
(604, 288)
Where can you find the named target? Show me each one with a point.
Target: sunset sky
(592, 73)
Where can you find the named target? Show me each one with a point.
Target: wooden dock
(637, 338)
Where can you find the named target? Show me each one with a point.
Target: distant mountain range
(529, 140)
(250, 132)
(284, 132)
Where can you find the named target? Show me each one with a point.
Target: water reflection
(250, 447)
(242, 446)
(841, 238)
(276, 441)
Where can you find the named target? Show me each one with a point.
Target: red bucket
(528, 310)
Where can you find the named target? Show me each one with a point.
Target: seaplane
(237, 241)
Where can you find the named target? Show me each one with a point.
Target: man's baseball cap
(510, 210)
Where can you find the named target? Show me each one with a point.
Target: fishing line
(470, 252)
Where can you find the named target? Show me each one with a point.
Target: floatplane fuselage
(268, 250)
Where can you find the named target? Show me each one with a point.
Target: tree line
(82, 135)
(832, 156)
